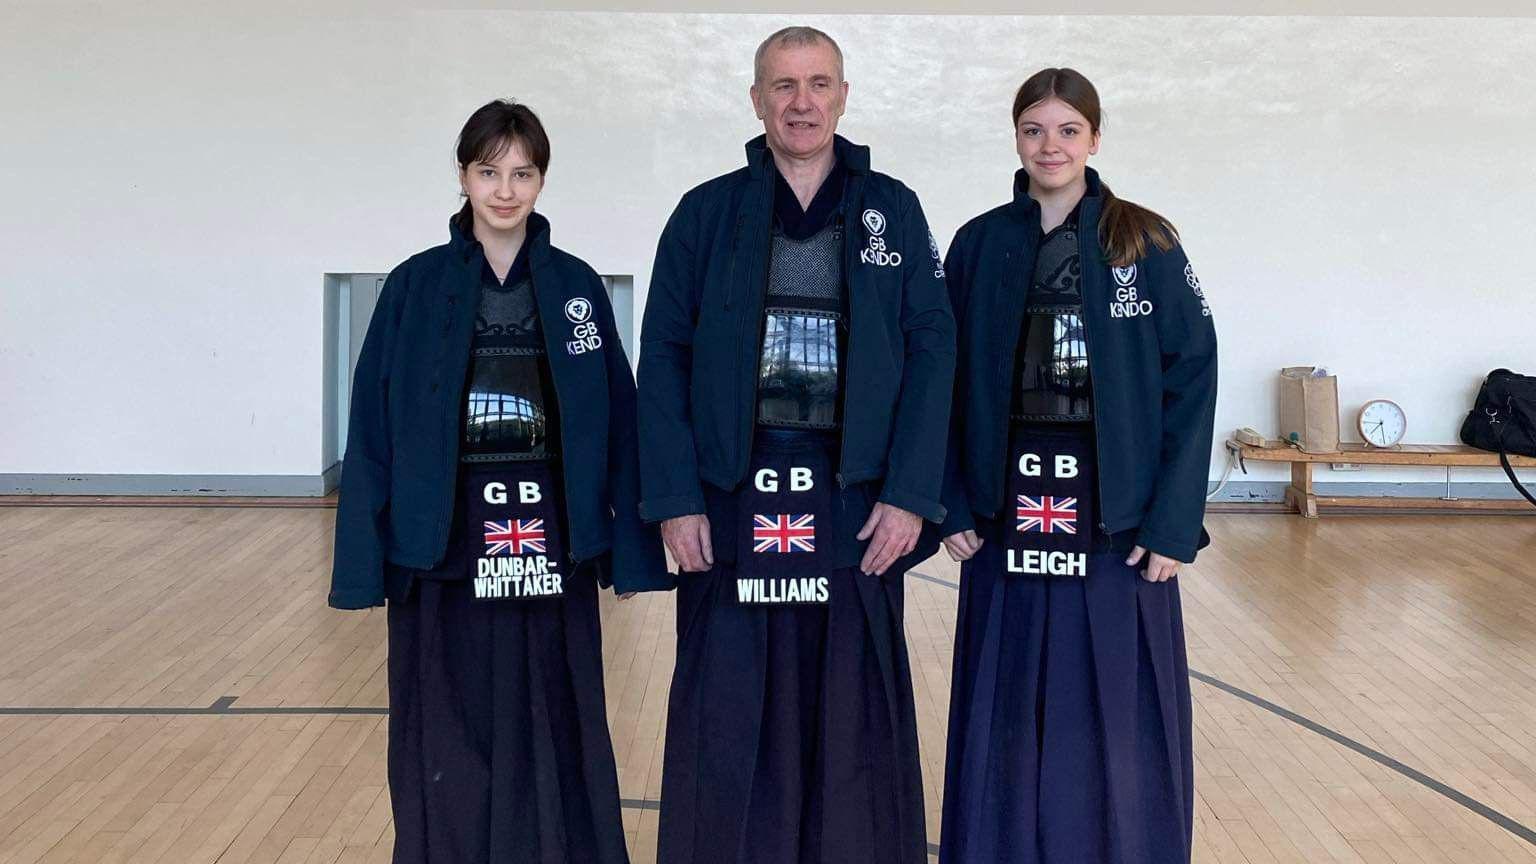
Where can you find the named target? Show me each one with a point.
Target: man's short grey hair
(794, 37)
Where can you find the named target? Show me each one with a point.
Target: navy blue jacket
(1151, 355)
(703, 325)
(398, 480)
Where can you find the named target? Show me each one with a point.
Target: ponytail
(1127, 231)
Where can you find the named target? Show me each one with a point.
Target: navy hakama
(791, 729)
(791, 732)
(1069, 719)
(498, 738)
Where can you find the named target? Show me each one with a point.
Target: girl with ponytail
(1075, 487)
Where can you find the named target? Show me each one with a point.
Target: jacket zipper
(730, 282)
(1098, 474)
(1019, 298)
(533, 286)
(760, 276)
(454, 394)
(842, 432)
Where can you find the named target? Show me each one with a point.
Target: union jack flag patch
(1047, 515)
(784, 532)
(514, 537)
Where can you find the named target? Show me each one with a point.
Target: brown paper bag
(1309, 409)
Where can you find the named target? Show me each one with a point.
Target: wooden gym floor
(173, 689)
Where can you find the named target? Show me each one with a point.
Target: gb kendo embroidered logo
(876, 252)
(584, 335)
(1128, 302)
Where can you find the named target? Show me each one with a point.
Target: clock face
(1382, 423)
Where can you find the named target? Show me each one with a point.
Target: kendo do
(795, 375)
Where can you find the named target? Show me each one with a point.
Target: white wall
(173, 186)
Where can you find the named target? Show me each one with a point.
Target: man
(796, 366)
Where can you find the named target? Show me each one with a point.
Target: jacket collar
(461, 239)
(854, 157)
(1024, 206)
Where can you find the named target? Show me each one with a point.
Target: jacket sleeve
(362, 512)
(915, 472)
(957, 516)
(669, 466)
(1187, 342)
(636, 561)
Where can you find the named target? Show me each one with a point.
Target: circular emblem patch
(874, 220)
(578, 309)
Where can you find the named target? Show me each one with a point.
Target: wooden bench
(1302, 495)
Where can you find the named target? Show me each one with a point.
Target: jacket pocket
(730, 273)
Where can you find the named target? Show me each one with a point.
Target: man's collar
(853, 157)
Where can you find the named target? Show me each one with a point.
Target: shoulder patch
(1194, 285)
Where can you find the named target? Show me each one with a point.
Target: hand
(895, 534)
(1159, 568)
(687, 538)
(961, 545)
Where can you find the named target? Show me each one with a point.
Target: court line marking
(225, 706)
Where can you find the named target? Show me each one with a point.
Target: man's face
(800, 98)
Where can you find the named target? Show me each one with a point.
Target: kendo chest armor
(800, 365)
(509, 410)
(1052, 383)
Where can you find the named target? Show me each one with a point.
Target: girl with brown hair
(1074, 490)
(490, 492)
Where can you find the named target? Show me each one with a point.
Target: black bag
(1503, 419)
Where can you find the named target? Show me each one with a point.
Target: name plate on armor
(784, 526)
(514, 508)
(1051, 489)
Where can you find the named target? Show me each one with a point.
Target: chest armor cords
(785, 532)
(512, 501)
(1052, 381)
(800, 365)
(1051, 485)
